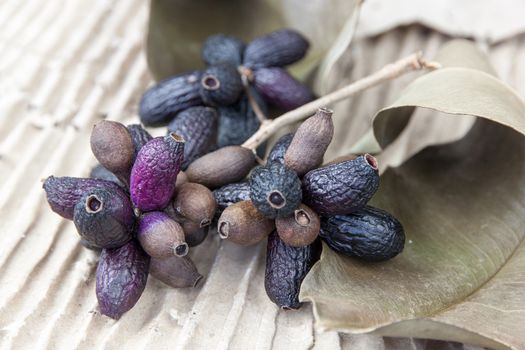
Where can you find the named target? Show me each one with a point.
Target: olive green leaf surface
(461, 276)
(177, 28)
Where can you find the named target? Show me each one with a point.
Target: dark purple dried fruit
(197, 126)
(175, 272)
(104, 218)
(194, 233)
(229, 194)
(161, 236)
(218, 168)
(164, 100)
(221, 48)
(275, 190)
(63, 193)
(89, 246)
(221, 85)
(310, 142)
(341, 188)
(286, 267)
(139, 136)
(370, 234)
(121, 277)
(101, 173)
(112, 146)
(280, 89)
(195, 202)
(279, 149)
(243, 224)
(155, 171)
(276, 49)
(299, 229)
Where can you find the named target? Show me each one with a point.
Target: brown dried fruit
(242, 223)
(306, 151)
(175, 272)
(194, 233)
(195, 202)
(161, 236)
(182, 178)
(299, 229)
(223, 166)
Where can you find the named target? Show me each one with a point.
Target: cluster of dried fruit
(138, 209)
(292, 200)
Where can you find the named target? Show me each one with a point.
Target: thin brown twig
(246, 75)
(391, 71)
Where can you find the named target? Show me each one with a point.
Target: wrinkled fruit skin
(280, 89)
(286, 267)
(272, 178)
(276, 49)
(340, 188)
(197, 126)
(164, 100)
(370, 234)
(279, 149)
(229, 194)
(121, 277)
(154, 173)
(63, 193)
(111, 224)
(175, 272)
(221, 48)
(101, 173)
(221, 85)
(139, 136)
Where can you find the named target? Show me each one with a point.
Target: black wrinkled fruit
(104, 218)
(101, 173)
(221, 48)
(139, 136)
(276, 49)
(280, 89)
(286, 267)
(341, 188)
(121, 278)
(229, 194)
(164, 100)
(221, 85)
(279, 149)
(63, 193)
(197, 127)
(275, 190)
(370, 233)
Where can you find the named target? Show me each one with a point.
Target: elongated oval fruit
(164, 100)
(139, 136)
(276, 49)
(280, 89)
(229, 194)
(221, 85)
(195, 202)
(341, 188)
(104, 218)
(221, 48)
(113, 147)
(306, 151)
(242, 223)
(155, 171)
(175, 272)
(101, 173)
(197, 126)
(121, 278)
(286, 267)
(299, 229)
(370, 234)
(225, 165)
(63, 193)
(275, 190)
(279, 149)
(194, 233)
(161, 236)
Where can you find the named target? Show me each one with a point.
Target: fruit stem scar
(210, 82)
(371, 160)
(181, 249)
(224, 229)
(302, 217)
(205, 222)
(177, 137)
(276, 199)
(93, 204)
(391, 71)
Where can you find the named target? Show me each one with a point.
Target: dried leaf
(462, 274)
